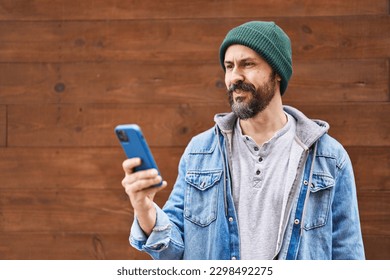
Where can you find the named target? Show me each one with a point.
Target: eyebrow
(245, 59)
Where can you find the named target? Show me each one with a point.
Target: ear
(278, 78)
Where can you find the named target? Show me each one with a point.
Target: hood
(308, 131)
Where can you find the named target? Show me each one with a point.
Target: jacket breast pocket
(200, 205)
(319, 202)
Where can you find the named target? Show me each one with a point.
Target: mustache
(240, 85)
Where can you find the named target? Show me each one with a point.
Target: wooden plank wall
(70, 71)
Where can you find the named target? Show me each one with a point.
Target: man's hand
(140, 188)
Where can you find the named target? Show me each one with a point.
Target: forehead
(239, 52)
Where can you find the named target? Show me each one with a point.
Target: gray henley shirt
(262, 177)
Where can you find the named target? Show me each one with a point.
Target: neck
(265, 124)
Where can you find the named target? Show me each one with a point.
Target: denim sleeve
(347, 237)
(160, 244)
(166, 239)
(159, 237)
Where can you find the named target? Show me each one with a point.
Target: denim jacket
(199, 220)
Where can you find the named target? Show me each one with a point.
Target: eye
(249, 64)
(229, 66)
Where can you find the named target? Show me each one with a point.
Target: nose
(234, 76)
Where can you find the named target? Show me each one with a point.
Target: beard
(260, 98)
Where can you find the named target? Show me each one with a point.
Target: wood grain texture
(377, 247)
(68, 246)
(335, 81)
(356, 124)
(172, 125)
(65, 210)
(129, 82)
(374, 216)
(126, 10)
(70, 71)
(76, 169)
(71, 190)
(93, 124)
(313, 38)
(371, 167)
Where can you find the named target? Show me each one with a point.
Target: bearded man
(265, 182)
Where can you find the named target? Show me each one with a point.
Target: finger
(151, 191)
(145, 183)
(140, 180)
(129, 165)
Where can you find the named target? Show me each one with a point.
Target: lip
(240, 97)
(240, 93)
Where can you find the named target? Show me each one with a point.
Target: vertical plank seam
(6, 126)
(388, 79)
(388, 7)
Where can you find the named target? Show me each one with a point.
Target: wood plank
(125, 10)
(339, 81)
(91, 125)
(89, 169)
(374, 212)
(129, 82)
(112, 82)
(371, 167)
(338, 37)
(67, 246)
(353, 124)
(71, 190)
(3, 125)
(377, 247)
(65, 210)
(318, 38)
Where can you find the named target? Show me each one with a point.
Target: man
(265, 183)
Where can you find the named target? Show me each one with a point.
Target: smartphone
(134, 144)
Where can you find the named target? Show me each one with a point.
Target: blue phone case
(135, 145)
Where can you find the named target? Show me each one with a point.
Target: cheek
(257, 79)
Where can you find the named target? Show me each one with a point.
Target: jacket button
(234, 258)
(296, 221)
(305, 183)
(230, 219)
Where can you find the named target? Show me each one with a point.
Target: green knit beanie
(269, 41)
